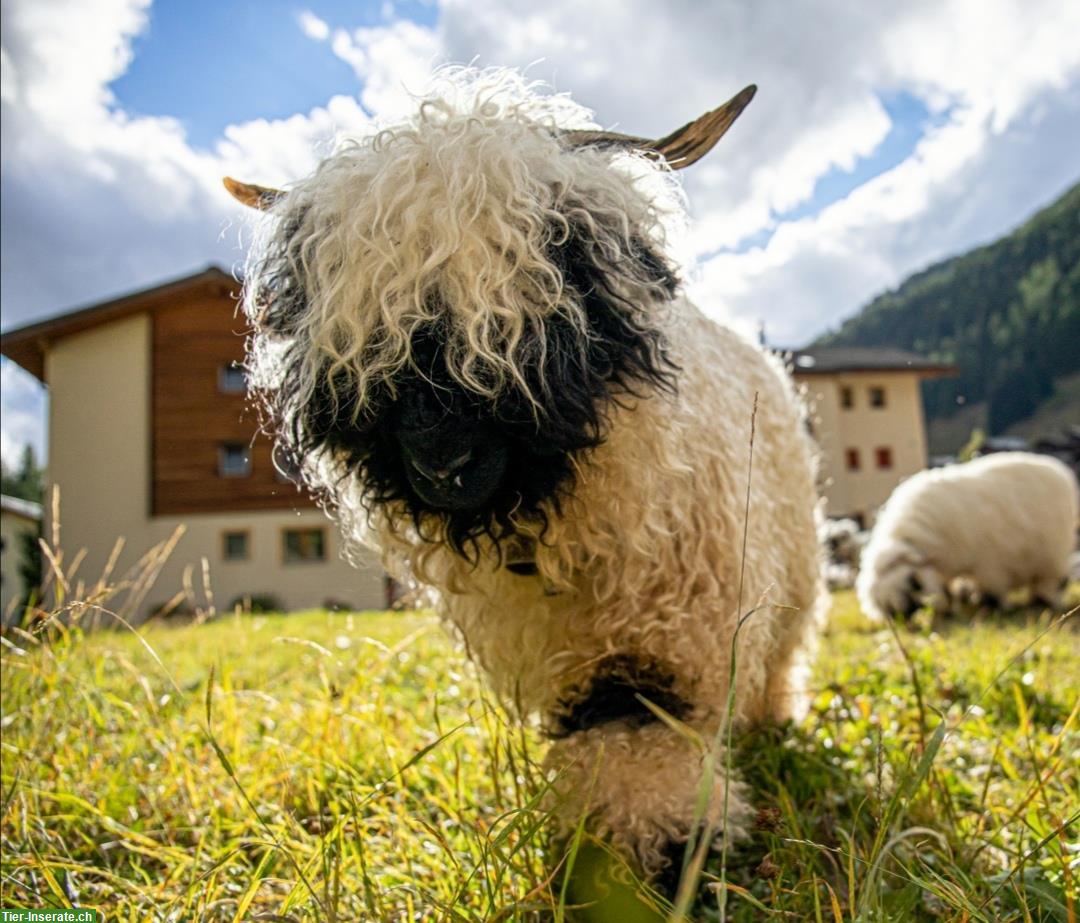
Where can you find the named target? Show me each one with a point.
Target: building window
(884, 457)
(234, 460)
(852, 458)
(304, 545)
(234, 546)
(847, 397)
(877, 397)
(232, 379)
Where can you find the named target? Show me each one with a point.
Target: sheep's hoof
(669, 877)
(603, 888)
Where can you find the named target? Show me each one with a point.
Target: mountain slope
(1007, 314)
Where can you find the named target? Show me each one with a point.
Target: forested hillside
(1007, 314)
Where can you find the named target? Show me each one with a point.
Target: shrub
(256, 602)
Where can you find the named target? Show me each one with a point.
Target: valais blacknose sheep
(1005, 521)
(473, 343)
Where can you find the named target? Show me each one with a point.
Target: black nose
(458, 465)
(449, 474)
(455, 457)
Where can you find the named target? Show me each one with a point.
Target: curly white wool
(460, 201)
(1005, 521)
(646, 557)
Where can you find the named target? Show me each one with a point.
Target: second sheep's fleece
(1006, 522)
(475, 345)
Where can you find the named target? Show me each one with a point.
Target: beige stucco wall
(12, 527)
(99, 457)
(300, 585)
(899, 425)
(99, 391)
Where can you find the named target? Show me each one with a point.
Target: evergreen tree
(27, 482)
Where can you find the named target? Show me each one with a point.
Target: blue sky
(909, 121)
(213, 64)
(883, 137)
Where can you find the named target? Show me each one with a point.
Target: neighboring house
(18, 518)
(867, 416)
(149, 429)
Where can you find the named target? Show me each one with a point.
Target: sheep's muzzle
(454, 468)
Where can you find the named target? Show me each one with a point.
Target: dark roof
(27, 345)
(820, 360)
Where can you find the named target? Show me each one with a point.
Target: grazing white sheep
(1005, 522)
(475, 346)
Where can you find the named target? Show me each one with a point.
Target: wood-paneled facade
(138, 416)
(197, 335)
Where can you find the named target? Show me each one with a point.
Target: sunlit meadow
(341, 767)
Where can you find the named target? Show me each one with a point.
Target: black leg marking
(612, 695)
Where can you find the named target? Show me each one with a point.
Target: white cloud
(312, 26)
(393, 62)
(956, 191)
(95, 201)
(60, 58)
(24, 410)
(79, 171)
(104, 201)
(787, 180)
(998, 75)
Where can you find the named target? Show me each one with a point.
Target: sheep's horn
(260, 197)
(683, 146)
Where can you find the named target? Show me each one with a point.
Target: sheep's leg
(626, 757)
(1047, 592)
(788, 666)
(931, 589)
(639, 786)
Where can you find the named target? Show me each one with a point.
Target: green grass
(349, 767)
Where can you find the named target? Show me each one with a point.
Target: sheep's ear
(260, 197)
(683, 146)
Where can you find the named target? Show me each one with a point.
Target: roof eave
(937, 371)
(26, 346)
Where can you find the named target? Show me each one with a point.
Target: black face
(469, 464)
(912, 603)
